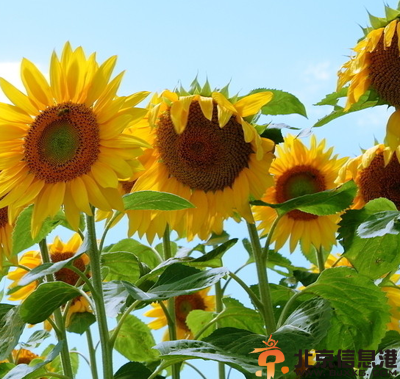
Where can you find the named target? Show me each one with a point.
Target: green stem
(248, 290)
(92, 354)
(269, 238)
(98, 296)
(219, 307)
(320, 260)
(171, 302)
(195, 369)
(107, 228)
(267, 310)
(121, 321)
(229, 279)
(286, 309)
(59, 321)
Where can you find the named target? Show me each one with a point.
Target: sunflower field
(172, 169)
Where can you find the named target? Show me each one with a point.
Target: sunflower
(373, 177)
(62, 144)
(22, 356)
(184, 304)
(59, 251)
(207, 152)
(5, 238)
(376, 63)
(298, 171)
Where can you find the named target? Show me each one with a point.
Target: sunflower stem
(171, 302)
(92, 354)
(266, 310)
(320, 260)
(58, 318)
(269, 238)
(286, 308)
(107, 228)
(219, 307)
(98, 296)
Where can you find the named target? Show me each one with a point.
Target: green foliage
(154, 200)
(47, 297)
(35, 339)
(321, 203)
(373, 256)
(121, 265)
(281, 103)
(134, 370)
(80, 322)
(360, 310)
(11, 328)
(135, 341)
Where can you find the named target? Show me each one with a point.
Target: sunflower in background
(184, 304)
(376, 173)
(59, 251)
(299, 170)
(375, 66)
(62, 144)
(207, 152)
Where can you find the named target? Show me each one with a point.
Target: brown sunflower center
(66, 275)
(24, 356)
(379, 181)
(298, 181)
(3, 216)
(127, 185)
(62, 143)
(384, 71)
(205, 156)
(184, 304)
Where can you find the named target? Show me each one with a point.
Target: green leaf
(304, 277)
(234, 315)
(22, 238)
(56, 364)
(321, 203)
(47, 297)
(23, 371)
(368, 100)
(11, 328)
(281, 103)
(274, 134)
(214, 257)
(135, 341)
(360, 310)
(134, 370)
(145, 254)
(154, 200)
(379, 224)
(35, 339)
(80, 322)
(5, 367)
(372, 257)
(177, 280)
(121, 265)
(115, 295)
(333, 98)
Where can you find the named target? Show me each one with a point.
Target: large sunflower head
(376, 173)
(62, 143)
(376, 62)
(59, 251)
(299, 170)
(208, 152)
(184, 304)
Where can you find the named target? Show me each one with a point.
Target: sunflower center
(384, 71)
(62, 143)
(299, 181)
(66, 275)
(379, 181)
(184, 304)
(205, 156)
(3, 216)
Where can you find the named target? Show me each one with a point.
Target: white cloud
(319, 72)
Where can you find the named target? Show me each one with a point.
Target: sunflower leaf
(281, 103)
(121, 265)
(135, 341)
(360, 309)
(375, 256)
(47, 297)
(22, 238)
(154, 200)
(379, 224)
(134, 370)
(11, 328)
(320, 203)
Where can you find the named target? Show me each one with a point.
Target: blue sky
(295, 46)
